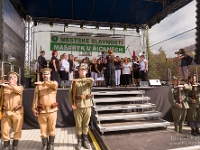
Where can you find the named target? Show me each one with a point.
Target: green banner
(62, 42)
(86, 48)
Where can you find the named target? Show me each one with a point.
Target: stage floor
(151, 139)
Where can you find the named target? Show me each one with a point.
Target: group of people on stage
(44, 107)
(185, 104)
(109, 71)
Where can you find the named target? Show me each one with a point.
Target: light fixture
(125, 29)
(97, 27)
(51, 24)
(149, 25)
(66, 25)
(137, 29)
(111, 28)
(81, 26)
(35, 23)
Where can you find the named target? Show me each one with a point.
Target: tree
(158, 63)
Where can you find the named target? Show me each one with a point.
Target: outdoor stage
(158, 95)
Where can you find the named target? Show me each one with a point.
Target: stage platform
(149, 139)
(158, 95)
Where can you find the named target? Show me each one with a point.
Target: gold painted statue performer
(13, 111)
(45, 108)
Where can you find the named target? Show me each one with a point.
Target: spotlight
(35, 23)
(125, 29)
(97, 27)
(111, 28)
(149, 25)
(81, 26)
(51, 24)
(137, 29)
(66, 25)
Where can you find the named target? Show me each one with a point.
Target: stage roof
(115, 13)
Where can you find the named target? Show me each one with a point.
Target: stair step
(131, 115)
(123, 106)
(118, 92)
(120, 99)
(128, 125)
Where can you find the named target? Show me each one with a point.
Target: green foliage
(30, 74)
(158, 63)
(33, 77)
(27, 71)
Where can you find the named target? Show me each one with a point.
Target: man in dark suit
(42, 63)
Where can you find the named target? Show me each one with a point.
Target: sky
(178, 22)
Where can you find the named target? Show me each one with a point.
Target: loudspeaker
(154, 82)
(26, 82)
(144, 83)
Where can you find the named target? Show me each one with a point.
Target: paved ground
(152, 139)
(65, 139)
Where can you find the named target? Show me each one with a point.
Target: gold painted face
(12, 79)
(82, 72)
(12, 76)
(46, 77)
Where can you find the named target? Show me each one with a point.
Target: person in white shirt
(36, 66)
(143, 68)
(71, 69)
(64, 69)
(76, 65)
(126, 71)
(93, 71)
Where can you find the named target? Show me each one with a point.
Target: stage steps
(125, 110)
(118, 92)
(131, 115)
(130, 125)
(120, 99)
(123, 106)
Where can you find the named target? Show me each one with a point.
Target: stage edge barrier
(94, 141)
(98, 138)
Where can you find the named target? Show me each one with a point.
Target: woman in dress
(54, 66)
(99, 70)
(136, 71)
(111, 68)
